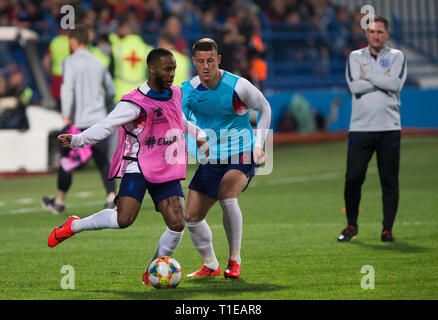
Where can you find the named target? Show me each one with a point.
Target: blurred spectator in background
(11, 78)
(317, 45)
(209, 24)
(299, 116)
(325, 10)
(275, 11)
(340, 28)
(173, 28)
(89, 18)
(105, 23)
(154, 16)
(303, 114)
(99, 47)
(30, 15)
(57, 51)
(188, 14)
(231, 48)
(183, 63)
(358, 39)
(128, 56)
(13, 97)
(256, 50)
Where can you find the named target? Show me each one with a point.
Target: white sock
(232, 220)
(168, 243)
(202, 238)
(105, 219)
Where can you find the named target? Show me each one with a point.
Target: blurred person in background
(128, 56)
(256, 50)
(232, 46)
(99, 47)
(341, 27)
(57, 51)
(209, 25)
(83, 103)
(183, 63)
(173, 27)
(11, 78)
(14, 95)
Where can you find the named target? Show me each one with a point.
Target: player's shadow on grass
(391, 246)
(197, 287)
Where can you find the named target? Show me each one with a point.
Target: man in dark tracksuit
(375, 77)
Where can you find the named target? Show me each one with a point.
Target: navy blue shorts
(208, 176)
(134, 185)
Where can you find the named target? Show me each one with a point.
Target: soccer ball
(165, 272)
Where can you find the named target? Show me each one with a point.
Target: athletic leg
(56, 205)
(127, 211)
(388, 161)
(131, 193)
(123, 217)
(198, 205)
(232, 184)
(360, 151)
(172, 210)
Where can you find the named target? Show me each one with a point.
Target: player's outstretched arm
(123, 113)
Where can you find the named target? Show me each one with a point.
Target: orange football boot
(205, 272)
(62, 232)
(233, 270)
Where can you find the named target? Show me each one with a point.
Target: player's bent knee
(176, 226)
(123, 223)
(125, 220)
(227, 195)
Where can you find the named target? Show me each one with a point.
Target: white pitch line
(84, 194)
(289, 180)
(310, 178)
(38, 209)
(25, 200)
(292, 180)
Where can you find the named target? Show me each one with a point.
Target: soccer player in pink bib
(151, 155)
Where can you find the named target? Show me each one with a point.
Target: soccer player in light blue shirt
(218, 102)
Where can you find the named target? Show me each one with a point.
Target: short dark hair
(80, 33)
(382, 19)
(156, 54)
(205, 44)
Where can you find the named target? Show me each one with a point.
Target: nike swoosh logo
(202, 100)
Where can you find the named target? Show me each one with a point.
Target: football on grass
(165, 272)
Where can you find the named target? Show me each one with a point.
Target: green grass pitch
(289, 250)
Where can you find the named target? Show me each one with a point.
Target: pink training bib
(162, 154)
